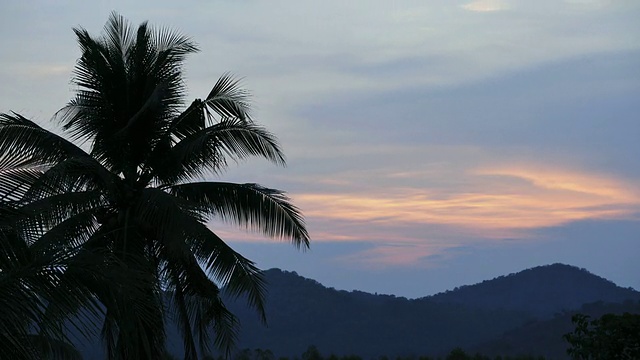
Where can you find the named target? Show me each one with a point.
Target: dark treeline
(609, 336)
(313, 353)
(547, 338)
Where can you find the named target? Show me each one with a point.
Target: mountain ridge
(303, 312)
(549, 288)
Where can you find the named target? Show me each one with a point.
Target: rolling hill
(541, 291)
(522, 313)
(302, 312)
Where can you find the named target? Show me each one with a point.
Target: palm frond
(189, 242)
(188, 122)
(23, 139)
(185, 242)
(54, 209)
(199, 309)
(183, 318)
(228, 100)
(253, 206)
(70, 233)
(240, 140)
(193, 296)
(207, 150)
(118, 37)
(225, 325)
(15, 182)
(30, 282)
(28, 151)
(239, 275)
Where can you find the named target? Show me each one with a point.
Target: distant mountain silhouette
(522, 313)
(541, 291)
(302, 312)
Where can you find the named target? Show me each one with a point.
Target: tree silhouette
(609, 337)
(29, 279)
(312, 353)
(137, 200)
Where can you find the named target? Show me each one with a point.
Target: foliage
(609, 337)
(457, 354)
(546, 337)
(135, 203)
(29, 279)
(312, 352)
(40, 286)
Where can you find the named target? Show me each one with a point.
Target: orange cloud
(575, 182)
(498, 198)
(428, 212)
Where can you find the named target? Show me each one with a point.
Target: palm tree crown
(136, 199)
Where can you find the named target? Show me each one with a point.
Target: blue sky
(430, 144)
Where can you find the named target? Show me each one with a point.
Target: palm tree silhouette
(136, 201)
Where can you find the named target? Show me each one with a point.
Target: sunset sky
(430, 144)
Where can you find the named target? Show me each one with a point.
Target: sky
(430, 144)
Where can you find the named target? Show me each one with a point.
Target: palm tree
(22, 275)
(34, 275)
(138, 197)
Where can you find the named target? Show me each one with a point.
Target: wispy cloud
(589, 4)
(486, 6)
(499, 198)
(48, 70)
(594, 186)
(394, 255)
(36, 70)
(408, 225)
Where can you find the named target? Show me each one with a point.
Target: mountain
(541, 291)
(302, 312)
(522, 313)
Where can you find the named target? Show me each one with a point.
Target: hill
(526, 312)
(303, 312)
(541, 291)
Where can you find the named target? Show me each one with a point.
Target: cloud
(486, 6)
(496, 199)
(45, 70)
(589, 4)
(593, 186)
(410, 127)
(383, 256)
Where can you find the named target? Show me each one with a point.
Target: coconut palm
(138, 195)
(39, 289)
(33, 276)
(22, 276)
